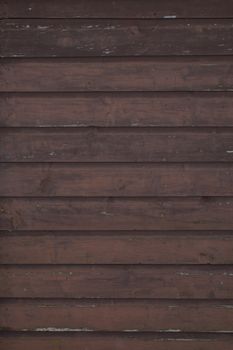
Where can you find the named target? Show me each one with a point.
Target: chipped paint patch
(171, 330)
(42, 27)
(106, 213)
(169, 17)
(54, 329)
(52, 154)
(227, 306)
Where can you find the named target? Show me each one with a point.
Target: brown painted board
(109, 281)
(116, 247)
(77, 37)
(116, 341)
(115, 180)
(116, 145)
(204, 213)
(117, 74)
(122, 109)
(117, 316)
(69, 38)
(116, 9)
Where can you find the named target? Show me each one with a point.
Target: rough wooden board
(117, 74)
(116, 9)
(108, 281)
(103, 341)
(136, 109)
(111, 247)
(117, 316)
(83, 38)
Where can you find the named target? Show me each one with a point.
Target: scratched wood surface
(116, 164)
(137, 247)
(110, 179)
(116, 9)
(117, 282)
(117, 109)
(79, 37)
(115, 341)
(198, 73)
(144, 315)
(126, 145)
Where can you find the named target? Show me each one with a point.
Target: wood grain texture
(205, 213)
(162, 282)
(117, 316)
(93, 341)
(116, 9)
(117, 247)
(116, 209)
(115, 180)
(116, 145)
(75, 38)
(144, 109)
(117, 74)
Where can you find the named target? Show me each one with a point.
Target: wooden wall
(116, 175)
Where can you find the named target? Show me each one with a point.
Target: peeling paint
(42, 27)
(171, 330)
(227, 306)
(52, 153)
(54, 329)
(106, 213)
(169, 17)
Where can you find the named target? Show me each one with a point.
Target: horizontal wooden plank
(115, 145)
(116, 9)
(93, 341)
(116, 248)
(115, 180)
(116, 109)
(204, 213)
(139, 316)
(162, 282)
(79, 37)
(117, 74)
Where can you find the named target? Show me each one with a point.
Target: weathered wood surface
(140, 316)
(115, 180)
(127, 247)
(116, 9)
(116, 145)
(134, 282)
(166, 109)
(205, 213)
(79, 37)
(116, 341)
(116, 163)
(117, 74)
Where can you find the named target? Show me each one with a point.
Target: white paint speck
(42, 27)
(106, 213)
(107, 51)
(169, 17)
(52, 154)
(227, 306)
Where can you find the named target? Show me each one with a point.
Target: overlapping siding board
(116, 172)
